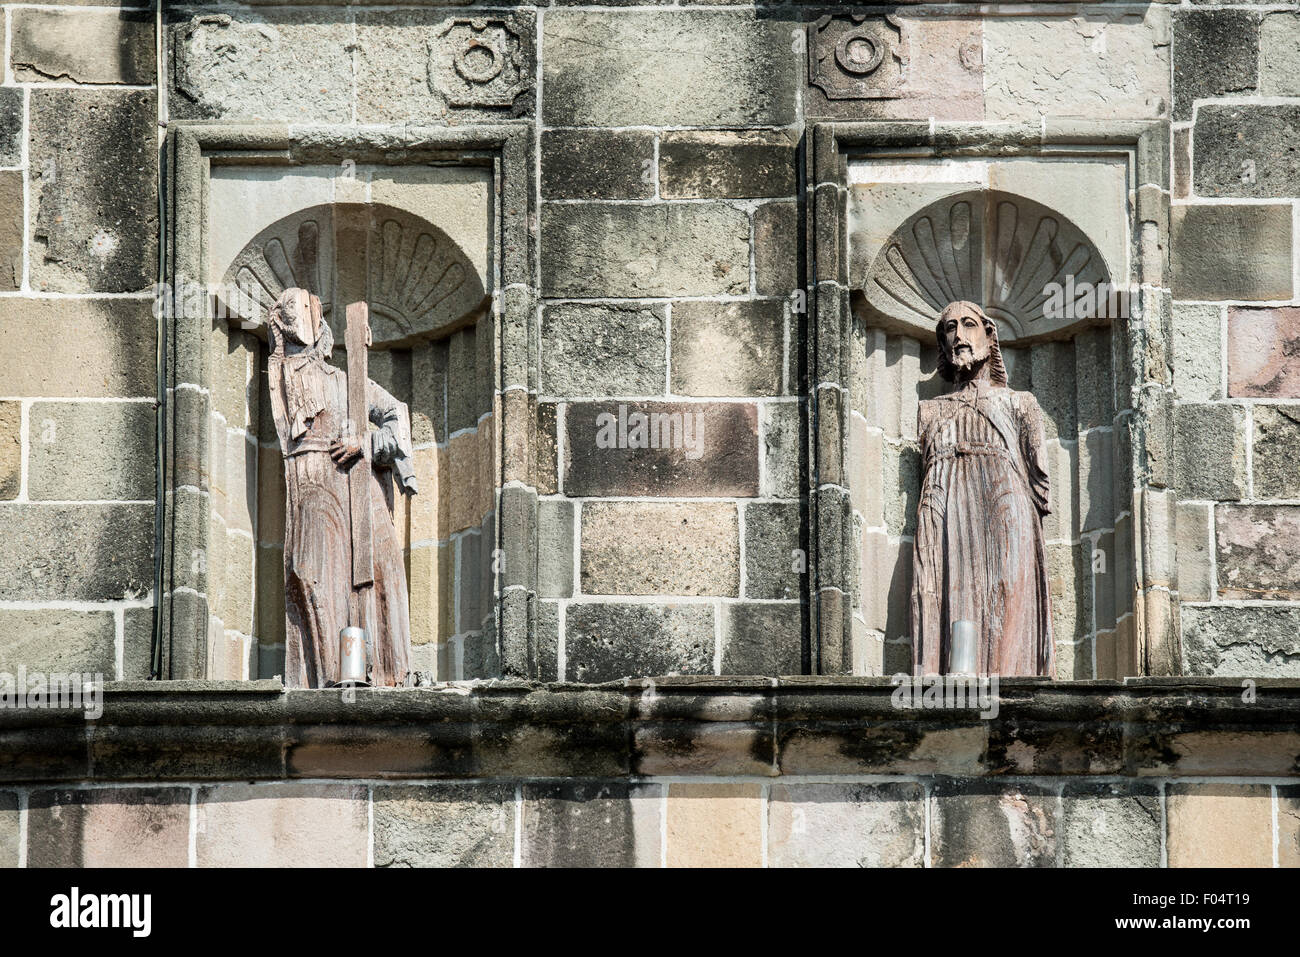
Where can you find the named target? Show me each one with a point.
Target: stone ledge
(759, 727)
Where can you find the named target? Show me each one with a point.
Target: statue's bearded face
(966, 341)
(297, 318)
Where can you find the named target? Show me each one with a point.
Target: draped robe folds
(309, 405)
(979, 552)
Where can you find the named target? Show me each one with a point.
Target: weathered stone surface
(718, 455)
(1219, 825)
(282, 825)
(1229, 641)
(846, 825)
(714, 825)
(137, 643)
(58, 641)
(660, 548)
(76, 552)
(548, 466)
(11, 126)
(986, 824)
(1279, 68)
(11, 228)
(762, 638)
(782, 477)
(1096, 478)
(715, 164)
(726, 349)
(94, 225)
(601, 350)
(1262, 348)
(776, 249)
(773, 568)
(260, 65)
(1210, 449)
(1276, 451)
(554, 548)
(603, 249)
(69, 46)
(1245, 150)
(9, 829)
(91, 450)
(1100, 65)
(1198, 352)
(598, 164)
(1195, 551)
(1215, 52)
(1111, 825)
(444, 825)
(1053, 383)
(667, 68)
(1258, 551)
(604, 642)
(1224, 251)
(902, 487)
(11, 449)
(591, 824)
(109, 827)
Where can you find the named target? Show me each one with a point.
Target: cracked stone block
(52, 45)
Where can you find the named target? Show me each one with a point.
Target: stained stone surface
(1211, 451)
(58, 640)
(710, 165)
(1111, 825)
(606, 641)
(660, 548)
(846, 825)
(11, 229)
(11, 125)
(986, 824)
(762, 638)
(1229, 641)
(1276, 451)
(91, 552)
(1262, 345)
(598, 164)
(1258, 551)
(1246, 151)
(1231, 252)
(444, 825)
(91, 450)
(69, 46)
(578, 824)
(11, 450)
(109, 827)
(1215, 53)
(727, 349)
(600, 350)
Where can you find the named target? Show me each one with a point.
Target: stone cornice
(752, 727)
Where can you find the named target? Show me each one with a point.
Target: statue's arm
(390, 442)
(1033, 449)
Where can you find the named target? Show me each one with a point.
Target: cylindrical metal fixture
(352, 656)
(961, 654)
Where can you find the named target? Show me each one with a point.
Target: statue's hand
(345, 452)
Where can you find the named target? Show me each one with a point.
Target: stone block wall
(78, 348)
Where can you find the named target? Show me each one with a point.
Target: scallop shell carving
(994, 248)
(418, 282)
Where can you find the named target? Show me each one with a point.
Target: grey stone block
(728, 349)
(591, 824)
(1276, 451)
(58, 641)
(762, 638)
(1279, 68)
(11, 449)
(1232, 252)
(76, 552)
(598, 164)
(1241, 642)
(667, 68)
(1210, 451)
(846, 825)
(1245, 150)
(1198, 352)
(604, 642)
(9, 829)
(772, 531)
(1215, 52)
(11, 126)
(781, 450)
(776, 249)
(69, 46)
(1111, 825)
(137, 644)
(444, 825)
(1052, 381)
(902, 487)
(546, 631)
(601, 350)
(600, 249)
(719, 163)
(554, 548)
(987, 824)
(91, 450)
(660, 548)
(94, 225)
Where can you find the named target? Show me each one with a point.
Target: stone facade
(671, 442)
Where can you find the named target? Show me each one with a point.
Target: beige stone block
(11, 229)
(282, 825)
(11, 449)
(463, 496)
(1288, 827)
(846, 825)
(486, 483)
(432, 598)
(232, 582)
(660, 548)
(91, 451)
(1219, 825)
(232, 369)
(714, 825)
(727, 349)
(866, 468)
(82, 46)
(241, 480)
(109, 827)
(1195, 551)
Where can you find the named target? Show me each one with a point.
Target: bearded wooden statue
(979, 554)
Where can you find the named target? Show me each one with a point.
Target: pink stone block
(1264, 352)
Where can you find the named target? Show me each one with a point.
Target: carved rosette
(479, 63)
(856, 57)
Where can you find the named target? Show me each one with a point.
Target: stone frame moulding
(1144, 144)
(191, 149)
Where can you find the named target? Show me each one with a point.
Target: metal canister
(352, 656)
(961, 654)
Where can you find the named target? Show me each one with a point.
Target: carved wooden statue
(342, 559)
(979, 553)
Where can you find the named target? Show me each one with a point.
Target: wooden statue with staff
(342, 560)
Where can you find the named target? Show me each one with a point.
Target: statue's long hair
(279, 330)
(956, 310)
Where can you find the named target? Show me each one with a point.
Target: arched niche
(434, 348)
(1009, 253)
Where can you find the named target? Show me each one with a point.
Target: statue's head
(296, 318)
(968, 341)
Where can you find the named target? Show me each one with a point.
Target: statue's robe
(979, 553)
(309, 402)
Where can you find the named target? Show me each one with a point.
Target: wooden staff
(358, 332)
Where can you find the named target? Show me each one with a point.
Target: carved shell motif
(417, 281)
(997, 249)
